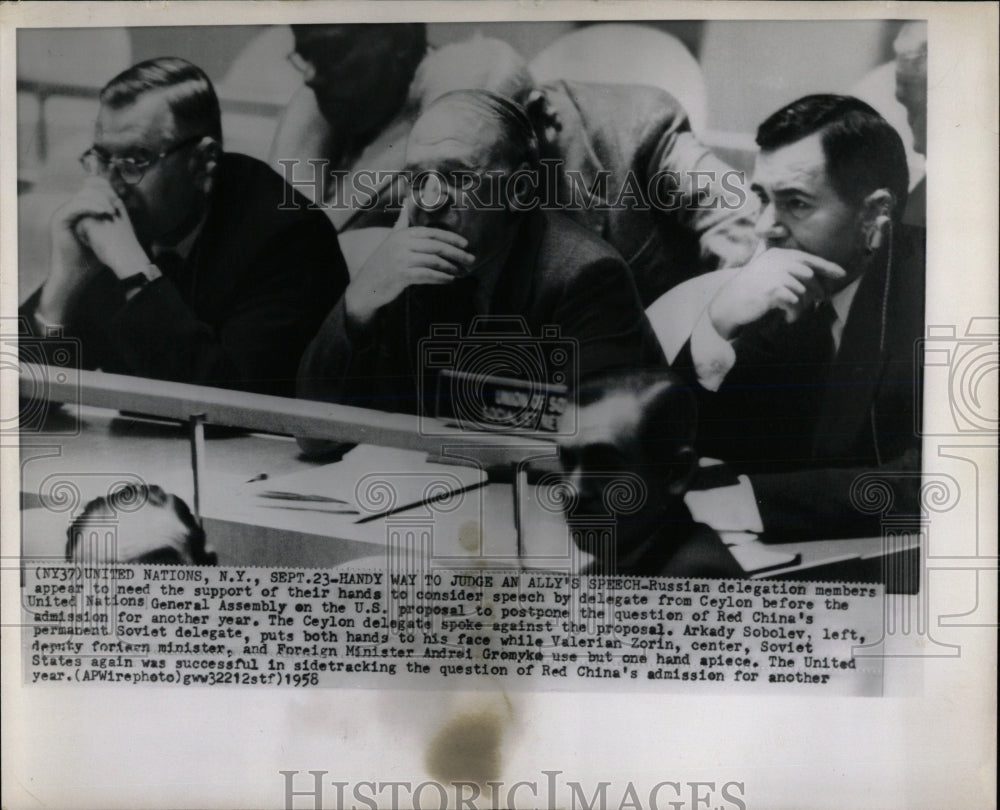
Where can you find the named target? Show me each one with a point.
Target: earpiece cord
(882, 335)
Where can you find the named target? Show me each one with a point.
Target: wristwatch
(131, 284)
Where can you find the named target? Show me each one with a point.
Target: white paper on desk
(756, 557)
(732, 508)
(375, 481)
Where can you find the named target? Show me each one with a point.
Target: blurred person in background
(364, 86)
(911, 92)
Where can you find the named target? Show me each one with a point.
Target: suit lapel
(854, 374)
(515, 286)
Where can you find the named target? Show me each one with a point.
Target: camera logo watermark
(24, 350)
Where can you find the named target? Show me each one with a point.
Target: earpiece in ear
(876, 237)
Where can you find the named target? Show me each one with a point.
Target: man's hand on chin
(104, 228)
(92, 229)
(114, 243)
(787, 280)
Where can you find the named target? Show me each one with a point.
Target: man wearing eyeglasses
(178, 261)
(471, 244)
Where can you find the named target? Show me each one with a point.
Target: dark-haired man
(137, 524)
(804, 359)
(175, 259)
(469, 243)
(627, 466)
(352, 113)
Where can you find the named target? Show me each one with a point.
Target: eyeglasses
(97, 162)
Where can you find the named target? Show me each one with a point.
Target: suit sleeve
(350, 366)
(289, 285)
(702, 193)
(602, 313)
(77, 336)
(806, 503)
(339, 363)
(831, 502)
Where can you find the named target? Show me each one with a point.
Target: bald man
(470, 242)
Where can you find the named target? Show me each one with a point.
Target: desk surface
(66, 471)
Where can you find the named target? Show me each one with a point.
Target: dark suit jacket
(557, 274)
(643, 133)
(676, 547)
(804, 432)
(239, 312)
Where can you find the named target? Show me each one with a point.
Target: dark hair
(189, 93)
(515, 130)
(409, 40)
(669, 412)
(131, 497)
(863, 151)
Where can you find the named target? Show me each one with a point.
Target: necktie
(812, 335)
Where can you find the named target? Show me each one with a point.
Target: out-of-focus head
(137, 524)
(830, 169)
(480, 63)
(911, 79)
(631, 456)
(158, 139)
(360, 73)
(473, 159)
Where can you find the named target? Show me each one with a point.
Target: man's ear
(524, 191)
(686, 466)
(209, 152)
(543, 118)
(876, 217)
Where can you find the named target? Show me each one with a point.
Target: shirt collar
(842, 299)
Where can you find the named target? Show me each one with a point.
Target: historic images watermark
(314, 789)
(548, 188)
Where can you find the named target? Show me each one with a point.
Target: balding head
(473, 160)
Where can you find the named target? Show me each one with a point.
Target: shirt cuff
(46, 328)
(713, 355)
(732, 508)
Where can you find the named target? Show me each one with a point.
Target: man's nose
(432, 206)
(114, 178)
(769, 226)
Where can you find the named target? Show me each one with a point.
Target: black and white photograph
(530, 398)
